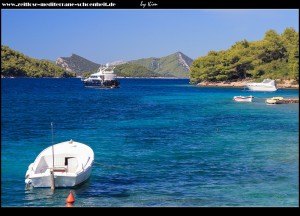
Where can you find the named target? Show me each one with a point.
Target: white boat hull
(267, 85)
(104, 78)
(243, 98)
(64, 180)
(72, 165)
(262, 88)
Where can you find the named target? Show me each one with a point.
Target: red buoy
(70, 198)
(69, 204)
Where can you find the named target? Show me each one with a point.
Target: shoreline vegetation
(239, 84)
(276, 57)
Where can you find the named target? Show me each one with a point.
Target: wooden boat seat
(60, 169)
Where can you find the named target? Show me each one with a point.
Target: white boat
(72, 165)
(104, 78)
(243, 98)
(266, 85)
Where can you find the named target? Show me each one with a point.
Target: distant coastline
(238, 84)
(79, 77)
(152, 78)
(241, 84)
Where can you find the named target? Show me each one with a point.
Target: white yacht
(104, 78)
(266, 85)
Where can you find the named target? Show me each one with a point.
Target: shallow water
(161, 142)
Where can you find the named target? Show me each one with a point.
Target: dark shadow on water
(107, 186)
(115, 185)
(46, 196)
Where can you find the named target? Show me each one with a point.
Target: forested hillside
(16, 64)
(174, 65)
(134, 70)
(275, 57)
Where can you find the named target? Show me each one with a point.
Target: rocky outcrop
(77, 64)
(65, 65)
(184, 60)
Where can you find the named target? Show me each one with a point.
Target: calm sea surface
(161, 142)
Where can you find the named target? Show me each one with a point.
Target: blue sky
(106, 35)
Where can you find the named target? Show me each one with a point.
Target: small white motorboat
(65, 164)
(243, 98)
(267, 85)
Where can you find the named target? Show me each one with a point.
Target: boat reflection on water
(46, 197)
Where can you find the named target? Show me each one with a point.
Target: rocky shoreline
(241, 84)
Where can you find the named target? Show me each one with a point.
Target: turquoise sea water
(161, 142)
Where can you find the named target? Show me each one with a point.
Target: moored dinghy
(72, 165)
(243, 98)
